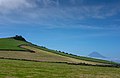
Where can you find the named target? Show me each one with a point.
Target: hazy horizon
(74, 26)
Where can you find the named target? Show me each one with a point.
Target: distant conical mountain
(96, 54)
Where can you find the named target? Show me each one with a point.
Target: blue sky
(74, 26)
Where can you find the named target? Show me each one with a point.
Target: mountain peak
(96, 54)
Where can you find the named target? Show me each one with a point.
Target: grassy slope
(42, 54)
(10, 44)
(27, 69)
(73, 56)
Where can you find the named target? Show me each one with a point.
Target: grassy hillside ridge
(41, 55)
(28, 69)
(72, 55)
(11, 44)
(14, 43)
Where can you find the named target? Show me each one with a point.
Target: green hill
(22, 59)
(11, 44)
(18, 48)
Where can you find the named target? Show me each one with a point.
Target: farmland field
(41, 55)
(17, 61)
(27, 69)
(17, 49)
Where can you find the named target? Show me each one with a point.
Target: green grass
(27, 69)
(30, 69)
(11, 44)
(42, 53)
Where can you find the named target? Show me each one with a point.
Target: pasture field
(28, 69)
(17, 49)
(52, 63)
(41, 55)
(11, 44)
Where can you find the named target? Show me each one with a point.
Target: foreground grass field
(27, 69)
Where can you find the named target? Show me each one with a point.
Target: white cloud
(11, 5)
(46, 11)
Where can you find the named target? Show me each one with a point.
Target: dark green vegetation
(28, 69)
(19, 38)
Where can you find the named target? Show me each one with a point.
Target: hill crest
(19, 37)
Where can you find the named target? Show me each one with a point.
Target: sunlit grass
(27, 69)
(41, 55)
(10, 44)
